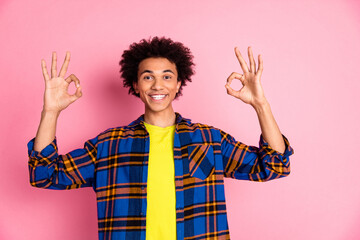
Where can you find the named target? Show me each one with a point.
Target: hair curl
(156, 47)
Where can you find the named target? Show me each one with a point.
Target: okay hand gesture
(56, 97)
(252, 92)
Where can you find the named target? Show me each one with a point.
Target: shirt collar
(178, 119)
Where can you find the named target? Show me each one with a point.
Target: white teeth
(158, 97)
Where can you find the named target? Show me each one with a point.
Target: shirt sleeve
(75, 169)
(254, 163)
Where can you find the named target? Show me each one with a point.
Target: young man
(160, 177)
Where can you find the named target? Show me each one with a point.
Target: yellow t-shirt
(161, 202)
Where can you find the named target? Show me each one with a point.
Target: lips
(158, 97)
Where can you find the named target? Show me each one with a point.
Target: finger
(242, 62)
(252, 60)
(53, 65)
(230, 91)
(76, 95)
(44, 70)
(235, 75)
(65, 65)
(260, 67)
(71, 78)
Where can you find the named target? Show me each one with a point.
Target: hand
(56, 97)
(252, 92)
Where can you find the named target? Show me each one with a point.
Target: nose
(157, 84)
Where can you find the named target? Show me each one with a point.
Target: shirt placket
(144, 176)
(179, 185)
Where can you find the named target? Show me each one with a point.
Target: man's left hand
(252, 92)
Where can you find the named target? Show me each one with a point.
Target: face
(157, 84)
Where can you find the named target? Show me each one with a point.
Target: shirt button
(142, 188)
(141, 213)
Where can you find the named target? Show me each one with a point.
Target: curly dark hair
(163, 47)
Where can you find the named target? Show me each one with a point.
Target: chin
(157, 109)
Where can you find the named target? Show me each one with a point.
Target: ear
(178, 86)
(135, 86)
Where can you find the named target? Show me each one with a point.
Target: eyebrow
(149, 71)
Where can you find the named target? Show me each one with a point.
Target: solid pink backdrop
(311, 55)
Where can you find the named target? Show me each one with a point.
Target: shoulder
(119, 133)
(196, 126)
(205, 132)
(197, 132)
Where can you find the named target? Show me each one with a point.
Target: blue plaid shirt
(115, 165)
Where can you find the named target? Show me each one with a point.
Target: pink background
(311, 74)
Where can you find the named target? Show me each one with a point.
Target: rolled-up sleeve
(75, 169)
(252, 163)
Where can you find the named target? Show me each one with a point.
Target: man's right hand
(56, 97)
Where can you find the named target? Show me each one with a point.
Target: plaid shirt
(115, 164)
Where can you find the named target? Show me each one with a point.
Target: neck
(160, 119)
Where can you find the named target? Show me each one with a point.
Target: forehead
(156, 64)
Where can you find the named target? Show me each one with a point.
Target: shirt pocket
(201, 161)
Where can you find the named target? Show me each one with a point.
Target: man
(160, 177)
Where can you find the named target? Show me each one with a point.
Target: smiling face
(157, 84)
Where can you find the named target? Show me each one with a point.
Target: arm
(269, 128)
(46, 130)
(252, 93)
(75, 169)
(56, 99)
(47, 168)
(254, 163)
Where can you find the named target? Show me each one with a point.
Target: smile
(158, 96)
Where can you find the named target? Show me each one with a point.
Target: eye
(148, 77)
(167, 77)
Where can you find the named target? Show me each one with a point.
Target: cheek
(175, 89)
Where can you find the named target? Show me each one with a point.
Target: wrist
(50, 114)
(261, 107)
